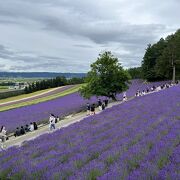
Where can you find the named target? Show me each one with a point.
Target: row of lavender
(59, 90)
(139, 139)
(61, 107)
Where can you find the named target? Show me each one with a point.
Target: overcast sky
(68, 35)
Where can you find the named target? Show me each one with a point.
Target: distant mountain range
(39, 74)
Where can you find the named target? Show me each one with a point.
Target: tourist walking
(143, 92)
(103, 106)
(35, 126)
(52, 122)
(124, 97)
(88, 109)
(106, 102)
(3, 136)
(93, 109)
(147, 90)
(137, 93)
(100, 104)
(3, 133)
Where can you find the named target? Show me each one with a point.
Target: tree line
(160, 60)
(51, 83)
(135, 73)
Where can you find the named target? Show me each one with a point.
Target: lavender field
(61, 107)
(137, 140)
(39, 96)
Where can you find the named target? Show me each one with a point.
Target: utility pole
(173, 48)
(174, 72)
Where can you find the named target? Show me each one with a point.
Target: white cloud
(75, 32)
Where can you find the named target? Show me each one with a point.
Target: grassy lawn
(4, 89)
(38, 100)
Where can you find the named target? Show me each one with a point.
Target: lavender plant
(61, 107)
(138, 139)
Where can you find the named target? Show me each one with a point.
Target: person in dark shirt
(147, 90)
(88, 108)
(100, 104)
(27, 128)
(57, 119)
(17, 132)
(106, 102)
(35, 126)
(22, 130)
(136, 93)
(93, 109)
(103, 106)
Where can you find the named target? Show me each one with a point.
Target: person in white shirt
(31, 127)
(52, 122)
(158, 88)
(124, 96)
(3, 136)
(143, 92)
(3, 132)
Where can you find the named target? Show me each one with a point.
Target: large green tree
(106, 77)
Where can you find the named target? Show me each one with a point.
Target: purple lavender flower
(138, 139)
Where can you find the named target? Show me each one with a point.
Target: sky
(68, 35)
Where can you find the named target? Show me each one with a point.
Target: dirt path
(45, 129)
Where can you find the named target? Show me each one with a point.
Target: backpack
(55, 120)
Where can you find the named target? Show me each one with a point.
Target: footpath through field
(68, 120)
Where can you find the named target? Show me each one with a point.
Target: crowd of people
(101, 105)
(154, 89)
(25, 129)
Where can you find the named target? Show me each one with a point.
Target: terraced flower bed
(40, 98)
(138, 139)
(33, 96)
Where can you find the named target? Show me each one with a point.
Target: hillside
(136, 140)
(36, 110)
